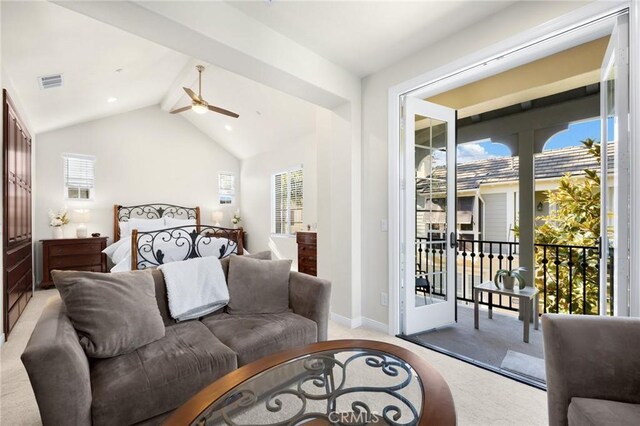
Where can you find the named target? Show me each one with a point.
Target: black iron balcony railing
(567, 276)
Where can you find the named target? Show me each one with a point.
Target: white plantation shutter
(287, 202)
(280, 203)
(79, 176)
(295, 202)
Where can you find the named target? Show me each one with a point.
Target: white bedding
(120, 251)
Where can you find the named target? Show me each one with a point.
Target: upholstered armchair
(593, 369)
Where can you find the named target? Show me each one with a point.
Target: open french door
(428, 267)
(614, 219)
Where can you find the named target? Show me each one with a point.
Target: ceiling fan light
(199, 108)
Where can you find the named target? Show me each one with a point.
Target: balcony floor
(488, 346)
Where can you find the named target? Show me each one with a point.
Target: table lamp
(81, 217)
(217, 216)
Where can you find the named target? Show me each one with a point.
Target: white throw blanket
(195, 287)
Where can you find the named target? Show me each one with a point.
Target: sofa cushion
(263, 255)
(161, 287)
(258, 286)
(158, 377)
(254, 336)
(114, 314)
(588, 412)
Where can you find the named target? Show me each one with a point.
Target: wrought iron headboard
(149, 248)
(151, 211)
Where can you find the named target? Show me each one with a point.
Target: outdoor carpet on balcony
(489, 346)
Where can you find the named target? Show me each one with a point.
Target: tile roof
(548, 164)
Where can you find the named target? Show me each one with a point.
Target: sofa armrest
(58, 369)
(311, 297)
(590, 357)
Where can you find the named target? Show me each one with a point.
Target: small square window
(79, 176)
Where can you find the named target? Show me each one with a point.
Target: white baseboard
(1, 339)
(360, 322)
(342, 320)
(375, 325)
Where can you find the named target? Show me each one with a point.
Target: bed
(149, 235)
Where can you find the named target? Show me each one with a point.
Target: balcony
(568, 280)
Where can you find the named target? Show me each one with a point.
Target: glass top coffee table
(334, 382)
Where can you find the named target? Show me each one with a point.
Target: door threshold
(518, 378)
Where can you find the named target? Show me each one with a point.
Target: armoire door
(16, 244)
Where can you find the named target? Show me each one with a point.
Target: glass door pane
(431, 210)
(428, 216)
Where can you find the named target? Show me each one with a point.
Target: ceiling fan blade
(192, 94)
(177, 110)
(223, 111)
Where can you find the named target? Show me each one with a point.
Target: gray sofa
(593, 370)
(144, 386)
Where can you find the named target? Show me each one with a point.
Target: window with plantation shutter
(79, 176)
(287, 199)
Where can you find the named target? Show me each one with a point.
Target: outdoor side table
(528, 298)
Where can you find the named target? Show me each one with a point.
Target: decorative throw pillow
(114, 314)
(263, 255)
(258, 286)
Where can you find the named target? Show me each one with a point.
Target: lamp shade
(217, 217)
(81, 216)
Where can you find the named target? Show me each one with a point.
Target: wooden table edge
(437, 408)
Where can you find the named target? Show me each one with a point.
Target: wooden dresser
(307, 252)
(76, 254)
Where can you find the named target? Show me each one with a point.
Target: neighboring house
(488, 192)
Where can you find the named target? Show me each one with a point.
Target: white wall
(375, 91)
(143, 156)
(256, 173)
(235, 42)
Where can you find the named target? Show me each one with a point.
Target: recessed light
(228, 127)
(112, 100)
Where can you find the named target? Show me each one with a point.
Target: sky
(571, 137)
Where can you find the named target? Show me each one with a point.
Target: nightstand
(76, 254)
(307, 252)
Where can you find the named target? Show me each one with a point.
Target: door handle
(452, 240)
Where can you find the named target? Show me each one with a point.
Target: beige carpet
(481, 397)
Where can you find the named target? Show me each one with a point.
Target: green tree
(571, 273)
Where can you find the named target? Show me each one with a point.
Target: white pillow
(112, 248)
(173, 222)
(145, 225)
(125, 230)
(122, 266)
(123, 251)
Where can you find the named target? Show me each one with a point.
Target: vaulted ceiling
(99, 62)
(364, 37)
(87, 53)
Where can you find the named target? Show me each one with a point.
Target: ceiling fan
(198, 104)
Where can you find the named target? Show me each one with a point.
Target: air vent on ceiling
(50, 81)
